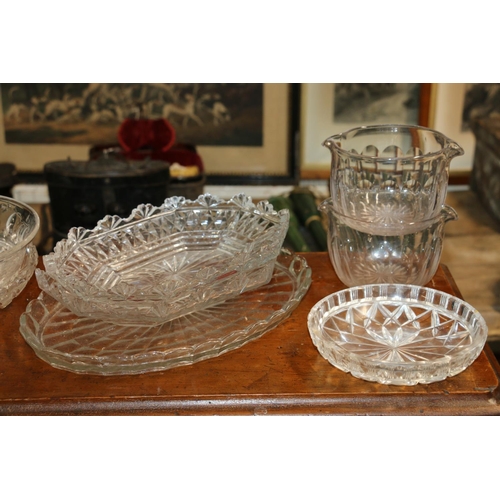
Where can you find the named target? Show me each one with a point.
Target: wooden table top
(280, 373)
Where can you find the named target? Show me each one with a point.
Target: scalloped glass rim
(378, 332)
(186, 340)
(449, 147)
(228, 236)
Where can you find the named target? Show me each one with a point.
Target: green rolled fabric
(293, 236)
(305, 207)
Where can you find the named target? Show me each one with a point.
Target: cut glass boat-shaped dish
(397, 334)
(164, 262)
(86, 345)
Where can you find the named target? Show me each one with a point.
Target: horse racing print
(211, 114)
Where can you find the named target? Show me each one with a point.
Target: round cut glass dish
(85, 345)
(397, 334)
(164, 262)
(19, 224)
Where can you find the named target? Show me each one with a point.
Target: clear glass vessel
(361, 258)
(86, 345)
(397, 334)
(164, 262)
(19, 224)
(384, 174)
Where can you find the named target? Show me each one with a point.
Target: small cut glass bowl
(19, 224)
(164, 262)
(397, 334)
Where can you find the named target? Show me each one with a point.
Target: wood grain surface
(279, 373)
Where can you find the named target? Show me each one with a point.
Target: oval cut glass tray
(397, 334)
(86, 345)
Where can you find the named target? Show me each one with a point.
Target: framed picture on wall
(274, 161)
(331, 108)
(243, 131)
(454, 105)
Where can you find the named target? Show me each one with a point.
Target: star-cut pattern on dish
(164, 250)
(87, 345)
(401, 333)
(380, 272)
(385, 213)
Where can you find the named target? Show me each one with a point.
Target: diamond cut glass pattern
(86, 345)
(163, 262)
(397, 334)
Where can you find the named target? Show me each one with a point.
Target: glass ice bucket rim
(450, 148)
(29, 237)
(445, 213)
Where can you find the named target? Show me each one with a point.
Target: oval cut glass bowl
(168, 261)
(19, 224)
(397, 334)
